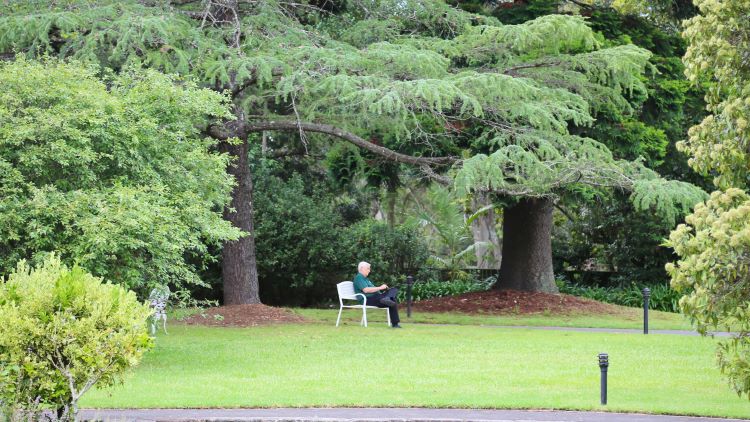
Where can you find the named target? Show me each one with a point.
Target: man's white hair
(363, 264)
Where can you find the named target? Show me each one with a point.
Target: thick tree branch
(564, 212)
(513, 71)
(582, 4)
(350, 137)
(443, 180)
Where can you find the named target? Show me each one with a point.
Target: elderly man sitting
(380, 296)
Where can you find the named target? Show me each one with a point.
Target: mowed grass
(314, 365)
(624, 318)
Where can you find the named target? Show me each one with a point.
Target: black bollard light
(603, 364)
(409, 283)
(646, 296)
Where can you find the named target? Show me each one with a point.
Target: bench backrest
(346, 290)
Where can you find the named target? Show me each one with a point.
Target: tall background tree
(499, 89)
(414, 76)
(597, 229)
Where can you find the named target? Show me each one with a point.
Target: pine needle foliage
(419, 71)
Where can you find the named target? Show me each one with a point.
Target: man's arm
(375, 289)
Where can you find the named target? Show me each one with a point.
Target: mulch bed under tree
(497, 302)
(507, 302)
(243, 316)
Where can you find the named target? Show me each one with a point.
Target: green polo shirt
(360, 282)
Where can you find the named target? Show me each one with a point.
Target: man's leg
(376, 300)
(392, 293)
(393, 311)
(389, 295)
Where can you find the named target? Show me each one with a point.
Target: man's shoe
(387, 302)
(396, 326)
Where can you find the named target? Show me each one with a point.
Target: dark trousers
(391, 293)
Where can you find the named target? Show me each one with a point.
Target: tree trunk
(527, 247)
(483, 230)
(391, 197)
(239, 264)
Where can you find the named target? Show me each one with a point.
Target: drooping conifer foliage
(598, 226)
(439, 82)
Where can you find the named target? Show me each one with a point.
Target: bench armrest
(364, 298)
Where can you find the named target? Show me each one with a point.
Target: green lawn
(625, 318)
(424, 365)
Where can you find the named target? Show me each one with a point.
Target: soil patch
(514, 302)
(243, 316)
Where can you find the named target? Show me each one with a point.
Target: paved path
(608, 330)
(378, 415)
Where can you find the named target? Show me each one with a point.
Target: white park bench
(157, 300)
(346, 291)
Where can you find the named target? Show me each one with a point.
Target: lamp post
(409, 283)
(646, 296)
(603, 365)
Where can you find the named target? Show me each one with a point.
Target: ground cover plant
(662, 297)
(434, 366)
(435, 288)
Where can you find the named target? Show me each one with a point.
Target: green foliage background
(114, 174)
(712, 246)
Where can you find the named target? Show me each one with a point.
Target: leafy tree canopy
(112, 174)
(496, 101)
(713, 246)
(718, 53)
(599, 224)
(507, 91)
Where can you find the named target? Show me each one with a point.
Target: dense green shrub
(712, 272)
(299, 241)
(604, 232)
(61, 332)
(663, 298)
(113, 174)
(422, 290)
(392, 251)
(310, 235)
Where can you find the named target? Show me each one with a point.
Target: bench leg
(364, 316)
(388, 316)
(339, 318)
